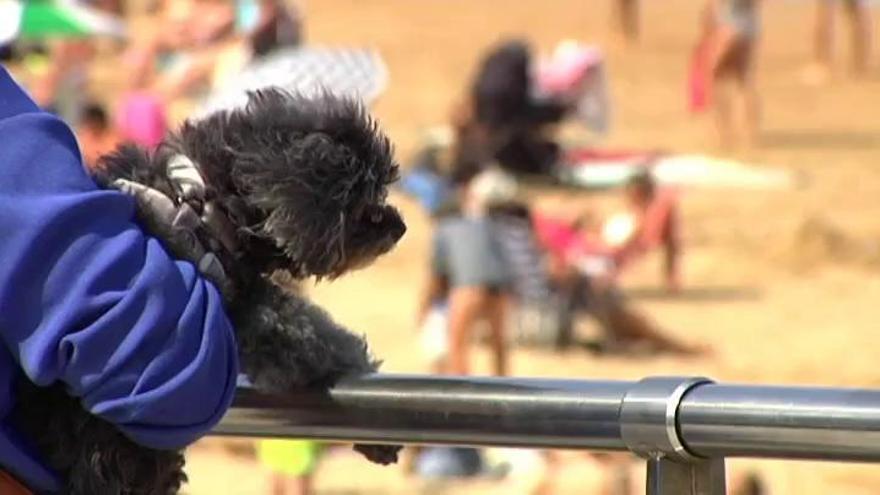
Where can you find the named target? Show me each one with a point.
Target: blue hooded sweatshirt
(87, 299)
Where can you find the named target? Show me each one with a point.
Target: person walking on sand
(733, 28)
(859, 16)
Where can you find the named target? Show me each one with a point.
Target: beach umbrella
(43, 19)
(354, 72)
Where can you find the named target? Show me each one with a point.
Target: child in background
(95, 134)
(734, 29)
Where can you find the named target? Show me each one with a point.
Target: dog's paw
(380, 454)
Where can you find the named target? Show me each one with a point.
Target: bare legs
(823, 36)
(735, 87)
(628, 326)
(671, 263)
(860, 20)
(623, 324)
(467, 305)
(627, 19)
(290, 485)
(859, 15)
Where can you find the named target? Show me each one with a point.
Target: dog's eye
(376, 216)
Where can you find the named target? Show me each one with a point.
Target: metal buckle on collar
(186, 178)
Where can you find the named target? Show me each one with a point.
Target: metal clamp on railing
(649, 426)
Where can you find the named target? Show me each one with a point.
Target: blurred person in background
(861, 25)
(468, 283)
(652, 221)
(551, 288)
(179, 59)
(95, 134)
(268, 25)
(504, 119)
(469, 271)
(734, 28)
(261, 27)
(169, 64)
(61, 87)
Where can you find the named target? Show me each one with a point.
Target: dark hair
(643, 181)
(93, 114)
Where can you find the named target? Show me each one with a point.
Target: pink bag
(142, 119)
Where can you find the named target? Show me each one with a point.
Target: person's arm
(88, 300)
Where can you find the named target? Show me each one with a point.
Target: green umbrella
(42, 19)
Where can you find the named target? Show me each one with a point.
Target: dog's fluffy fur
(303, 183)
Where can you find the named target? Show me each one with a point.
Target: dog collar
(186, 177)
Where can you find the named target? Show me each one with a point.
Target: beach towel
(614, 169)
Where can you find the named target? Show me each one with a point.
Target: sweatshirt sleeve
(88, 299)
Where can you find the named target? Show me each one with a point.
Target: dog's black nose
(398, 228)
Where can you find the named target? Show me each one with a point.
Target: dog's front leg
(287, 343)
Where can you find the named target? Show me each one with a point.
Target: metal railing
(683, 426)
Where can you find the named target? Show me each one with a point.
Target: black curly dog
(288, 183)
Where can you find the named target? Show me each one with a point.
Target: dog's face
(314, 174)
